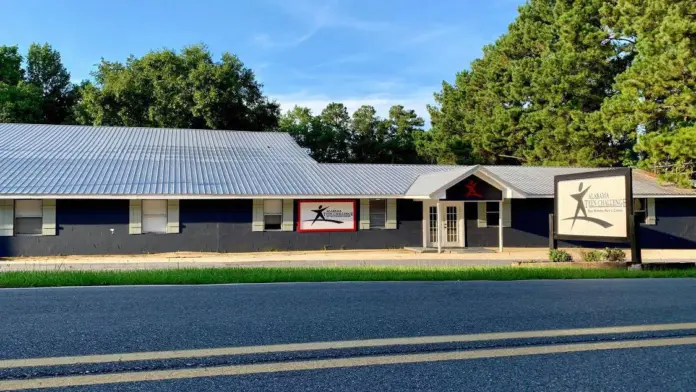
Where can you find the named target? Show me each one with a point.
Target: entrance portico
(444, 215)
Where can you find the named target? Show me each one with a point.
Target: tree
(335, 136)
(19, 101)
(402, 130)
(180, 90)
(335, 126)
(535, 95)
(447, 142)
(46, 71)
(11, 72)
(657, 97)
(309, 132)
(367, 136)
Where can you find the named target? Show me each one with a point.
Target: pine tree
(657, 99)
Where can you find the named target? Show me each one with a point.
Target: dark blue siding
(675, 227)
(206, 226)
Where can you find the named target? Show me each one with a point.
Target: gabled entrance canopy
(444, 195)
(470, 183)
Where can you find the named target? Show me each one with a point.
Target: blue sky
(306, 52)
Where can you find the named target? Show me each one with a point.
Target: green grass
(329, 274)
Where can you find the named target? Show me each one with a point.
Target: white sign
(592, 207)
(326, 215)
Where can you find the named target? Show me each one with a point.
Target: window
(492, 213)
(432, 211)
(28, 217)
(640, 207)
(272, 214)
(378, 214)
(155, 216)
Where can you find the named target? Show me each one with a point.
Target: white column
(426, 224)
(500, 226)
(439, 227)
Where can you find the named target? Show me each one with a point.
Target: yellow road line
(346, 344)
(235, 370)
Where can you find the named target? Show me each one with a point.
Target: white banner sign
(327, 215)
(592, 207)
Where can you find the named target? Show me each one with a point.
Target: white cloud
(318, 15)
(347, 59)
(429, 35)
(322, 14)
(381, 102)
(266, 41)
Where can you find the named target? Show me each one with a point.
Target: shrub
(614, 254)
(559, 256)
(592, 256)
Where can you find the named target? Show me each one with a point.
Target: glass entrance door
(451, 224)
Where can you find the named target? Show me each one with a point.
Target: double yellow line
(232, 370)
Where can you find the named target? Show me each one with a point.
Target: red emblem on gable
(471, 189)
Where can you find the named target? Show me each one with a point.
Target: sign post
(596, 206)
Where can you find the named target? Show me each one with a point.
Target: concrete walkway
(397, 257)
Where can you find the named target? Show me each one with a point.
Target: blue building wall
(675, 227)
(84, 227)
(225, 226)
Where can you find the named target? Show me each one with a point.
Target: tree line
(571, 82)
(586, 83)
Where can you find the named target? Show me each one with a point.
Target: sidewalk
(345, 258)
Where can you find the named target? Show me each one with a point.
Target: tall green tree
(19, 101)
(182, 90)
(11, 72)
(535, 95)
(309, 132)
(403, 128)
(45, 71)
(367, 136)
(657, 99)
(336, 124)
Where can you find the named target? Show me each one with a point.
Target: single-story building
(116, 190)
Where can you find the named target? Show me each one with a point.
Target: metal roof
(429, 183)
(537, 181)
(66, 160)
(81, 160)
(85, 161)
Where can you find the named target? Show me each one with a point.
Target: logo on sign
(320, 216)
(471, 189)
(597, 202)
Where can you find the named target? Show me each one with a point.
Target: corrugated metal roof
(78, 160)
(65, 160)
(538, 181)
(376, 179)
(83, 160)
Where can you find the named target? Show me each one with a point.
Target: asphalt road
(40, 323)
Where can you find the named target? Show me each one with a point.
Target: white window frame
(20, 215)
(372, 226)
(277, 212)
(145, 214)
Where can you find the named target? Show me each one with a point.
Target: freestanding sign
(595, 206)
(326, 215)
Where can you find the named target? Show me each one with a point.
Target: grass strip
(327, 274)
